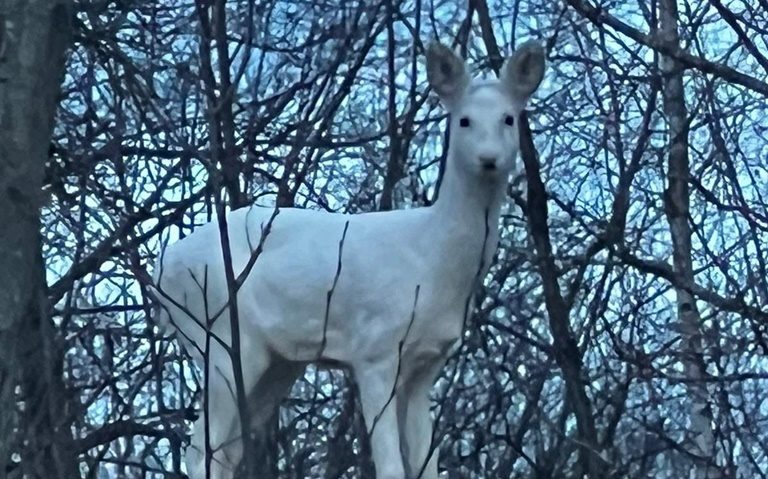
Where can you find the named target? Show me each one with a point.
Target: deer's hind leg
(268, 380)
(264, 401)
(216, 446)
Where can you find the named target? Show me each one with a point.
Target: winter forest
(621, 331)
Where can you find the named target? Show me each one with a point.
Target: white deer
(399, 301)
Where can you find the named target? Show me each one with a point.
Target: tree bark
(396, 157)
(34, 35)
(677, 210)
(565, 347)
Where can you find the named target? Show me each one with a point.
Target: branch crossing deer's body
(399, 300)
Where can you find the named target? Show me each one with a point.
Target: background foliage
(324, 105)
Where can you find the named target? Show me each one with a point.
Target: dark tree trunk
(34, 35)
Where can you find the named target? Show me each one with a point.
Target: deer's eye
(464, 122)
(509, 120)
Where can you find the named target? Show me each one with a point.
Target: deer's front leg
(420, 455)
(376, 381)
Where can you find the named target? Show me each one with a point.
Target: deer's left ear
(522, 73)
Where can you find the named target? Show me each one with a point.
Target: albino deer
(405, 277)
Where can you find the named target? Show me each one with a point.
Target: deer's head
(484, 138)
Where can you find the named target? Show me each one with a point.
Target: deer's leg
(222, 433)
(376, 383)
(271, 388)
(419, 454)
(265, 400)
(218, 434)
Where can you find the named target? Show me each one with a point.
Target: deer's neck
(467, 198)
(467, 212)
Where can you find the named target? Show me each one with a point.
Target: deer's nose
(488, 162)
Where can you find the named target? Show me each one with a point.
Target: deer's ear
(522, 73)
(446, 72)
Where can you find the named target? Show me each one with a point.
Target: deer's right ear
(446, 72)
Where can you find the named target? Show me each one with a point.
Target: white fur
(385, 257)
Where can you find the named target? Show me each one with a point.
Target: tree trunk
(565, 347)
(676, 206)
(34, 35)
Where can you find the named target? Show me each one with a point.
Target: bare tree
(677, 210)
(582, 356)
(36, 437)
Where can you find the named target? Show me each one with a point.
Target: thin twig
(329, 295)
(399, 362)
